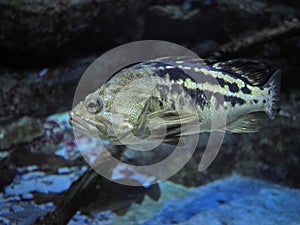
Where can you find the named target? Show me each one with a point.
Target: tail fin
(273, 85)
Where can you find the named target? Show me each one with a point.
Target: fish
(179, 97)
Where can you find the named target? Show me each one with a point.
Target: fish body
(189, 96)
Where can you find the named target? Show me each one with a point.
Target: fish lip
(86, 126)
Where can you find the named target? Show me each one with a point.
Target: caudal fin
(273, 86)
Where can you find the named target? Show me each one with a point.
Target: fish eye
(93, 105)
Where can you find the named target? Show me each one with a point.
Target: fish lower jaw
(83, 126)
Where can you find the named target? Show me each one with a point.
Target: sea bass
(180, 97)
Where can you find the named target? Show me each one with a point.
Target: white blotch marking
(170, 67)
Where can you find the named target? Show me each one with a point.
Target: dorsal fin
(185, 59)
(251, 71)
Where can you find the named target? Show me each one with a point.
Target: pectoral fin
(176, 125)
(142, 121)
(172, 118)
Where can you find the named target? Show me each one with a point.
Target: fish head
(93, 117)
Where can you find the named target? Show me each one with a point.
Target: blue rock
(235, 200)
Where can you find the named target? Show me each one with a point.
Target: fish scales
(222, 86)
(162, 88)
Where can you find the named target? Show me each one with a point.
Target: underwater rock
(7, 173)
(41, 92)
(268, 155)
(22, 131)
(31, 180)
(163, 23)
(54, 150)
(218, 22)
(33, 193)
(39, 33)
(42, 33)
(234, 200)
(23, 213)
(137, 214)
(103, 218)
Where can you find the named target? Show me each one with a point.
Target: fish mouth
(86, 126)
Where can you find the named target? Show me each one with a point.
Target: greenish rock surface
(23, 131)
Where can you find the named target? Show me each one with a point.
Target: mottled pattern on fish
(236, 88)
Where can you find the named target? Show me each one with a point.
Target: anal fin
(248, 123)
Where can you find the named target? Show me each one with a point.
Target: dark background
(45, 46)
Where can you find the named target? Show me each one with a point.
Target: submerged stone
(22, 131)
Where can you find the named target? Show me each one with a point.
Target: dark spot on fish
(221, 81)
(177, 74)
(174, 73)
(173, 105)
(246, 90)
(255, 101)
(219, 100)
(196, 95)
(161, 104)
(233, 87)
(200, 98)
(264, 101)
(163, 91)
(234, 100)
